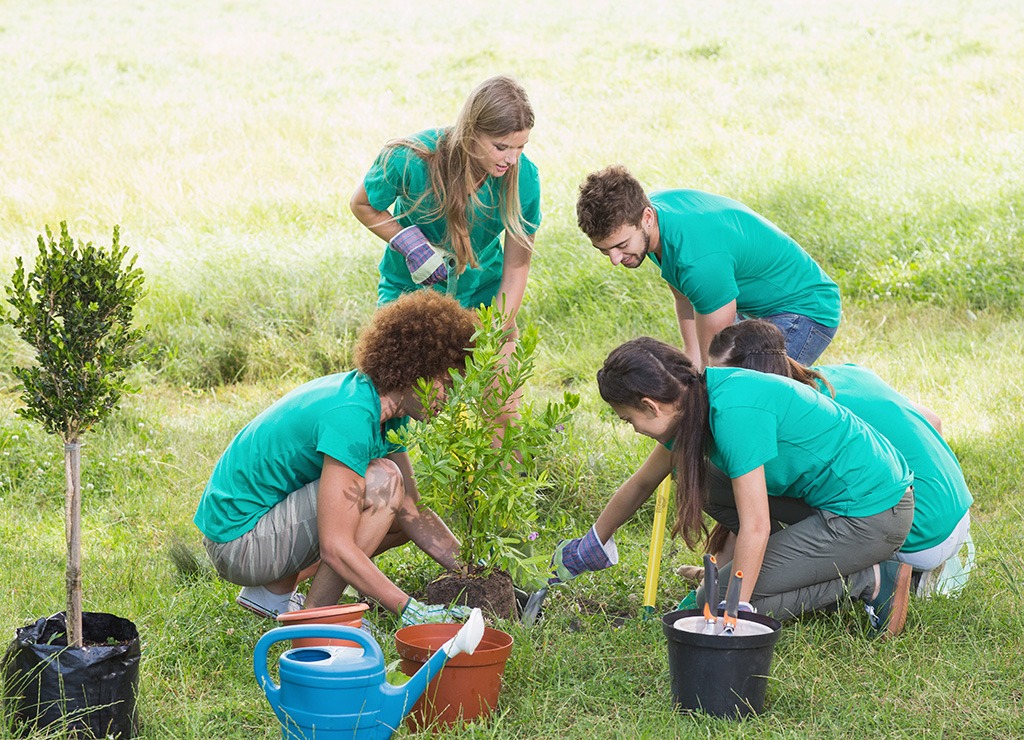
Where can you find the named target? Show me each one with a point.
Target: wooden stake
(73, 532)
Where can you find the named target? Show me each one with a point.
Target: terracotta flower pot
(467, 687)
(349, 615)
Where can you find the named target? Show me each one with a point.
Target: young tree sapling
(75, 309)
(474, 467)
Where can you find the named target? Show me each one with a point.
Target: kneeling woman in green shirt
(771, 436)
(941, 498)
(313, 488)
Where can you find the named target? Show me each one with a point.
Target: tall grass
(886, 140)
(226, 139)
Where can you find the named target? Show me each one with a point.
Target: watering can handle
(371, 649)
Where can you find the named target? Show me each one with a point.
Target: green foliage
(881, 135)
(214, 324)
(75, 309)
(487, 490)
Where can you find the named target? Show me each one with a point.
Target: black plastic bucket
(725, 676)
(91, 688)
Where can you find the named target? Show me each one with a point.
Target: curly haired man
(313, 488)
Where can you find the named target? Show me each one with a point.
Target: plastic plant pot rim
(341, 610)
(419, 641)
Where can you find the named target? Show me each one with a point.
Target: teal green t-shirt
(941, 497)
(715, 250)
(399, 178)
(811, 447)
(283, 449)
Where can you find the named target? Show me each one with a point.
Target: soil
(494, 593)
(98, 630)
(60, 639)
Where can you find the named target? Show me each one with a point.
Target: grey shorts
(283, 542)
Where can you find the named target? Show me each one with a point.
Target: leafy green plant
(475, 468)
(75, 309)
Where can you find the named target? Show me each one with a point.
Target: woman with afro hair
(313, 488)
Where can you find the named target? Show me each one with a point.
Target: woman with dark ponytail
(941, 526)
(771, 437)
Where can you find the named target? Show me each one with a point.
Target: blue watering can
(332, 692)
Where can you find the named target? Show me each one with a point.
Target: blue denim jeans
(806, 339)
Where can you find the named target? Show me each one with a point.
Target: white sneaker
(259, 600)
(296, 602)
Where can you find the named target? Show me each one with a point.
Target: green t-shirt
(811, 447)
(941, 497)
(399, 178)
(283, 449)
(715, 250)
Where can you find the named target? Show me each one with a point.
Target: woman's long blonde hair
(496, 108)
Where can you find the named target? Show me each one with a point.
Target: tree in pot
(75, 309)
(480, 472)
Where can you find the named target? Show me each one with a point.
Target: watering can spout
(398, 700)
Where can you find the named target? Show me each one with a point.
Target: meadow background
(226, 138)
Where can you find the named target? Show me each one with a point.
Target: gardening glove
(416, 612)
(427, 264)
(573, 557)
(743, 606)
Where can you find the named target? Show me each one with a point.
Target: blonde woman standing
(443, 199)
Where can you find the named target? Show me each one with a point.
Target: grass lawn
(226, 139)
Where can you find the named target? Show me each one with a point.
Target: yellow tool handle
(657, 540)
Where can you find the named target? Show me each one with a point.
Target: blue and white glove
(416, 612)
(427, 264)
(573, 557)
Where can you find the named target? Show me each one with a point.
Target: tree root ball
(493, 594)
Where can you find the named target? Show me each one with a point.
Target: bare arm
(514, 273)
(709, 324)
(751, 496)
(631, 495)
(930, 415)
(425, 528)
(381, 223)
(340, 502)
(687, 328)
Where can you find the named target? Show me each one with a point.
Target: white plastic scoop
(467, 638)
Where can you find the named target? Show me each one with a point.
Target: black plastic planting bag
(92, 687)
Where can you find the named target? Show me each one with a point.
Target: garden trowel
(533, 604)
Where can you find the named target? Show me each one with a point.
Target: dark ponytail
(756, 344)
(647, 368)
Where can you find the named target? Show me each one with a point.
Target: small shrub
(487, 489)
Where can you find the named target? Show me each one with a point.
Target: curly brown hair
(609, 199)
(421, 335)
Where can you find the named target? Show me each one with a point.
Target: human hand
(427, 264)
(416, 612)
(693, 574)
(573, 557)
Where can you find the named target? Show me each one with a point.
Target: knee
(385, 486)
